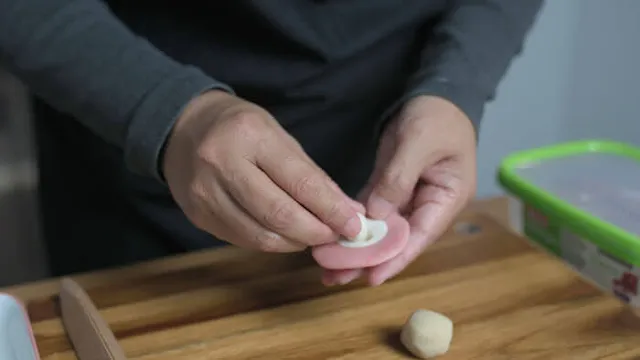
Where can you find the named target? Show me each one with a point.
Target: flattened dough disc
(336, 256)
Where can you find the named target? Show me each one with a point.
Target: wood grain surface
(507, 300)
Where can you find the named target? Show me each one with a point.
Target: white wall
(578, 77)
(605, 79)
(532, 101)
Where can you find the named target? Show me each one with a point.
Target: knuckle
(197, 192)
(281, 216)
(207, 153)
(337, 214)
(306, 185)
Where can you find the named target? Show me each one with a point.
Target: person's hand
(425, 170)
(237, 174)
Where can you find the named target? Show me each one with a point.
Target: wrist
(190, 112)
(198, 105)
(437, 107)
(439, 112)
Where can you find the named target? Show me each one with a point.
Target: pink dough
(337, 257)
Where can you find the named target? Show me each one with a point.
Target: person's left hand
(425, 170)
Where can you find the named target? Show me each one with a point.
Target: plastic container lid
(16, 337)
(606, 186)
(593, 186)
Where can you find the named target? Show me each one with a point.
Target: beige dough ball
(427, 334)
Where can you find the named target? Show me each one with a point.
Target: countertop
(507, 299)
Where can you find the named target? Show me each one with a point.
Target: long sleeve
(77, 56)
(470, 51)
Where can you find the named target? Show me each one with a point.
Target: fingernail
(350, 277)
(343, 282)
(378, 207)
(378, 280)
(327, 282)
(352, 228)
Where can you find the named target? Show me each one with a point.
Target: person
(167, 127)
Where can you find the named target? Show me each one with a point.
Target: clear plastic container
(581, 201)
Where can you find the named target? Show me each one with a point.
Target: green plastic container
(581, 201)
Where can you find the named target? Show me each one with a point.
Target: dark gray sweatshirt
(326, 69)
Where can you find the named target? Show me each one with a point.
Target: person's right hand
(237, 174)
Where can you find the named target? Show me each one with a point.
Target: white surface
(605, 186)
(15, 331)
(371, 232)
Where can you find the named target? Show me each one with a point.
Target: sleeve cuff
(156, 115)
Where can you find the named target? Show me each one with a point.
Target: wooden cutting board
(507, 300)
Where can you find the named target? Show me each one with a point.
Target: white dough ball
(364, 229)
(427, 334)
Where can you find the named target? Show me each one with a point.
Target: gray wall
(605, 81)
(577, 78)
(531, 103)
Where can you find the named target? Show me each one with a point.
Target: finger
(226, 220)
(427, 223)
(365, 193)
(273, 208)
(404, 160)
(359, 207)
(356, 205)
(307, 184)
(340, 277)
(383, 156)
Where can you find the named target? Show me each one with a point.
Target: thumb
(396, 180)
